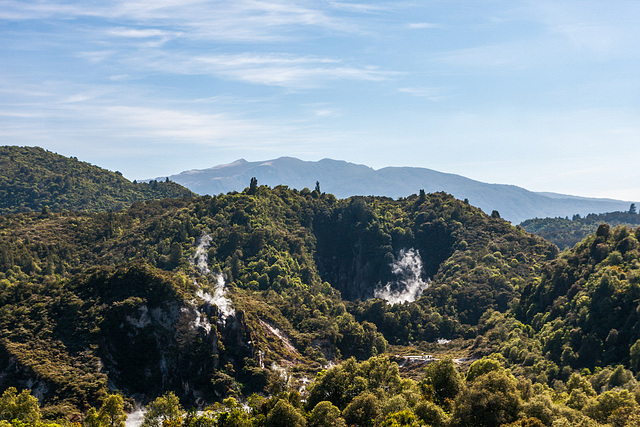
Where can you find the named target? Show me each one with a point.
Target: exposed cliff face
(139, 332)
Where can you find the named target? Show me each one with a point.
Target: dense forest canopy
(565, 232)
(275, 306)
(33, 179)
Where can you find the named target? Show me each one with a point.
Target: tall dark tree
(253, 185)
(632, 209)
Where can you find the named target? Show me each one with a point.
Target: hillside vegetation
(323, 307)
(565, 232)
(33, 179)
(85, 283)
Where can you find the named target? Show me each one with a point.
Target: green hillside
(586, 303)
(263, 290)
(565, 232)
(32, 179)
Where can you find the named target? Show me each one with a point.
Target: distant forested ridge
(32, 179)
(565, 232)
(344, 179)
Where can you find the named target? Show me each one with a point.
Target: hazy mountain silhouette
(344, 179)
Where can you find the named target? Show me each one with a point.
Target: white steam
(135, 418)
(201, 257)
(218, 298)
(409, 285)
(200, 260)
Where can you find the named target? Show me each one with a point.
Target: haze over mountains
(344, 179)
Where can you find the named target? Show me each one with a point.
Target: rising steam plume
(219, 298)
(409, 285)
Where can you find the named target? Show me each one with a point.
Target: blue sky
(543, 94)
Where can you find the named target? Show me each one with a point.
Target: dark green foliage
(117, 290)
(565, 232)
(442, 382)
(430, 413)
(33, 179)
(491, 400)
(363, 411)
(284, 414)
(325, 414)
(585, 306)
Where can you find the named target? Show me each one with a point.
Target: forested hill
(32, 179)
(565, 232)
(258, 291)
(209, 296)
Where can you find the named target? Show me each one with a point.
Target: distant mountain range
(344, 179)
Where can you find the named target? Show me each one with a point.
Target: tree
(481, 367)
(284, 414)
(317, 190)
(19, 406)
(326, 414)
(442, 381)
(253, 185)
(164, 411)
(363, 411)
(491, 400)
(634, 353)
(430, 413)
(495, 214)
(175, 254)
(632, 209)
(111, 413)
(404, 418)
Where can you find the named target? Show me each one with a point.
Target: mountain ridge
(345, 179)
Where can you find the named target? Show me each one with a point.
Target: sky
(543, 94)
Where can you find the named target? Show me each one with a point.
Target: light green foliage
(483, 366)
(325, 414)
(284, 414)
(340, 384)
(230, 414)
(22, 407)
(490, 401)
(610, 402)
(404, 418)
(431, 414)
(165, 409)
(110, 414)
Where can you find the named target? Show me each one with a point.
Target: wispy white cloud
(229, 20)
(600, 28)
(423, 25)
(360, 7)
(290, 71)
(97, 56)
(433, 94)
(141, 32)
